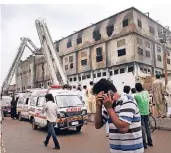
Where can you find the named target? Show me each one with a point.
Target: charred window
(79, 40)
(125, 23)
(110, 30)
(96, 35)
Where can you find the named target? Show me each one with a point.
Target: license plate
(74, 123)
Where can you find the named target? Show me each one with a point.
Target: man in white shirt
(51, 110)
(85, 95)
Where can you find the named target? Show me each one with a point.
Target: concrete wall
(25, 74)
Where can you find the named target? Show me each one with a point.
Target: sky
(17, 20)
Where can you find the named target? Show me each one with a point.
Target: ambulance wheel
(34, 126)
(19, 117)
(78, 128)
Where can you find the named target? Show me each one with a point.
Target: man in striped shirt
(122, 113)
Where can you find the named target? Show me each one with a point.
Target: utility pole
(164, 39)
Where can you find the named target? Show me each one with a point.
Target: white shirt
(84, 95)
(51, 110)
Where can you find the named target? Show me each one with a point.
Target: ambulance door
(32, 110)
(25, 112)
(41, 116)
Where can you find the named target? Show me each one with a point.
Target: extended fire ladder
(23, 45)
(50, 53)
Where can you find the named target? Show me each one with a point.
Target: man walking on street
(122, 113)
(51, 110)
(158, 96)
(143, 100)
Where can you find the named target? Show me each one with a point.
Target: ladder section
(49, 48)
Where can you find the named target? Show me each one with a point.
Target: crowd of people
(126, 115)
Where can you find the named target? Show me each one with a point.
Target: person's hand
(100, 98)
(107, 98)
(108, 101)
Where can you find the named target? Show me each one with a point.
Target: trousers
(51, 132)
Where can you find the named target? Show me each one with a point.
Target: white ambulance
(72, 111)
(23, 105)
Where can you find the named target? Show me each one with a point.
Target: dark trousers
(145, 130)
(51, 132)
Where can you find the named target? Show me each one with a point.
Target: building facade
(127, 42)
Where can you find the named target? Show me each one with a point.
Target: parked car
(6, 105)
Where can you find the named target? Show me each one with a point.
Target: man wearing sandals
(158, 97)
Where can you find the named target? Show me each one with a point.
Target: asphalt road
(19, 137)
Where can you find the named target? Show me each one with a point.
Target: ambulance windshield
(64, 101)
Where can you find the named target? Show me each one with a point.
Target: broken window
(69, 44)
(88, 76)
(116, 71)
(70, 79)
(75, 79)
(122, 70)
(94, 75)
(121, 52)
(111, 72)
(70, 59)
(110, 30)
(125, 23)
(98, 75)
(79, 40)
(139, 23)
(147, 53)
(99, 55)
(159, 58)
(104, 73)
(140, 51)
(83, 77)
(84, 62)
(168, 61)
(130, 69)
(96, 35)
(71, 65)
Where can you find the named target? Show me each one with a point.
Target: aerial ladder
(50, 53)
(24, 43)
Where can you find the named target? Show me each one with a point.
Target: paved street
(19, 137)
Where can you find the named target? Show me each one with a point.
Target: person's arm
(127, 111)
(100, 118)
(44, 108)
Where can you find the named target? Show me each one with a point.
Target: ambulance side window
(41, 101)
(33, 101)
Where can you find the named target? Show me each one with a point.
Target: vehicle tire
(20, 117)
(78, 128)
(152, 123)
(34, 126)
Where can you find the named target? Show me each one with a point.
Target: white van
(72, 111)
(23, 106)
